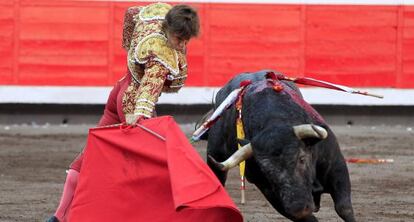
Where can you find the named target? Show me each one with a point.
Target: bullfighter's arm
(159, 60)
(150, 89)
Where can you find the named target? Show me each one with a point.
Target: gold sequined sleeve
(150, 89)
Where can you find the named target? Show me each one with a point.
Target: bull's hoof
(308, 219)
(52, 219)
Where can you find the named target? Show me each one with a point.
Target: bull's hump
(292, 94)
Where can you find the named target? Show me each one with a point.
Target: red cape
(132, 175)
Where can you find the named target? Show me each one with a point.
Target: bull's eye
(302, 159)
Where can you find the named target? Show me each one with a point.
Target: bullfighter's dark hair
(183, 21)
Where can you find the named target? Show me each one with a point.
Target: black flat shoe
(52, 219)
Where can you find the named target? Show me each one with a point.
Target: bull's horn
(240, 155)
(310, 131)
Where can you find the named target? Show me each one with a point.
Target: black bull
(294, 156)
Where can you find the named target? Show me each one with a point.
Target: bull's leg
(308, 219)
(341, 192)
(216, 149)
(317, 201)
(317, 190)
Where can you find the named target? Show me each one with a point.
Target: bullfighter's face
(176, 42)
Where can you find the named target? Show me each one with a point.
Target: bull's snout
(301, 211)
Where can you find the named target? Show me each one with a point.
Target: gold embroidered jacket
(155, 67)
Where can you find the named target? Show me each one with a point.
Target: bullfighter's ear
(242, 142)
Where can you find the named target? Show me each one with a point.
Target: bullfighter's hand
(132, 119)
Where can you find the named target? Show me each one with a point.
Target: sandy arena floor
(33, 160)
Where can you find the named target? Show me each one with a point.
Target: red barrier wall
(50, 42)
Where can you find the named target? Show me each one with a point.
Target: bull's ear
(242, 142)
(311, 141)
